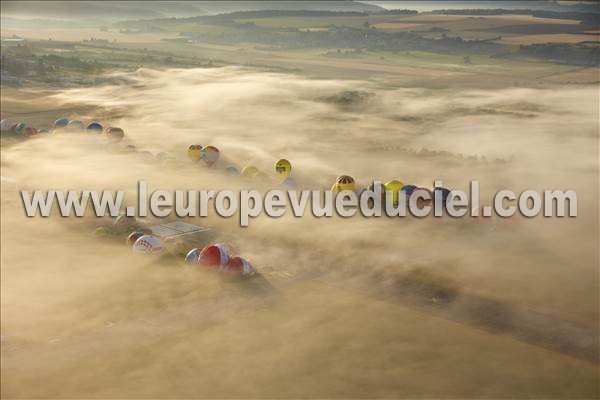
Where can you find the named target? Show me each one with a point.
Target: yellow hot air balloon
(195, 152)
(395, 186)
(283, 168)
(250, 171)
(343, 182)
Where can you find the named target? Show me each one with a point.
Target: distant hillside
(219, 7)
(587, 18)
(113, 11)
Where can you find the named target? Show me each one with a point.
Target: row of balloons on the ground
(283, 170)
(210, 155)
(21, 129)
(214, 257)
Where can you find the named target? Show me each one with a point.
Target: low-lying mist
(61, 283)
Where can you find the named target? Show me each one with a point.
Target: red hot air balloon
(239, 266)
(214, 256)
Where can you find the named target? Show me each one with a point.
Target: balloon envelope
(29, 131)
(283, 168)
(61, 123)
(210, 154)
(6, 125)
(394, 186)
(195, 152)
(239, 266)
(408, 189)
(214, 256)
(95, 127)
(147, 244)
(133, 236)
(75, 126)
(192, 256)
(115, 133)
(20, 128)
(232, 170)
(289, 183)
(344, 182)
(250, 171)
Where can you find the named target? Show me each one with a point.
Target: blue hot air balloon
(61, 123)
(95, 127)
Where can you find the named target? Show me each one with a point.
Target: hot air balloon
(19, 129)
(394, 186)
(115, 133)
(133, 236)
(192, 256)
(343, 182)
(232, 170)
(210, 155)
(61, 123)
(6, 125)
(238, 266)
(94, 127)
(289, 183)
(408, 189)
(30, 131)
(214, 256)
(195, 152)
(75, 126)
(250, 171)
(148, 244)
(283, 168)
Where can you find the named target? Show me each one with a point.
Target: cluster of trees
(401, 12)
(285, 13)
(563, 53)
(355, 38)
(44, 67)
(440, 154)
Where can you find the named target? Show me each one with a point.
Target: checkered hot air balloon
(343, 182)
(133, 237)
(148, 244)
